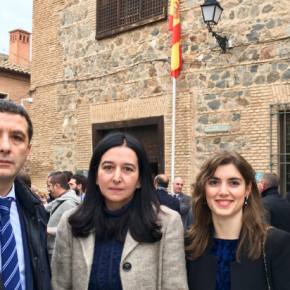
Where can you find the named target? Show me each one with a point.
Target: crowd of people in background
(119, 229)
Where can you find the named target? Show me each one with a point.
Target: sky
(14, 14)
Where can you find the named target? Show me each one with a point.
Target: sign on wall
(216, 128)
(258, 175)
(84, 172)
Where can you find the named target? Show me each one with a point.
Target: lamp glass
(217, 14)
(207, 12)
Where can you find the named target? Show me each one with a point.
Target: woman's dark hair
(141, 217)
(254, 229)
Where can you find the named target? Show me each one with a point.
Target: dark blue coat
(184, 202)
(189, 220)
(278, 207)
(168, 200)
(33, 225)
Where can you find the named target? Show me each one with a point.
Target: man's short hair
(81, 179)
(161, 182)
(9, 106)
(68, 174)
(25, 178)
(271, 179)
(50, 173)
(60, 178)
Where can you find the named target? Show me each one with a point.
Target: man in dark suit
(184, 200)
(24, 261)
(277, 206)
(161, 183)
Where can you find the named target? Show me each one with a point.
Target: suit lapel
(129, 246)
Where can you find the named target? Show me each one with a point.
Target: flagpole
(173, 134)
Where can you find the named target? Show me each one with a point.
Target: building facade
(15, 67)
(87, 81)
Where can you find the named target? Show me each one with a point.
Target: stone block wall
(78, 81)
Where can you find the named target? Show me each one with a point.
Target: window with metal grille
(280, 144)
(115, 16)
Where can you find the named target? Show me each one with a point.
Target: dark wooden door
(150, 133)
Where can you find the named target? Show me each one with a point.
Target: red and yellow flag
(174, 26)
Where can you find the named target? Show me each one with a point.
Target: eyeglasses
(48, 186)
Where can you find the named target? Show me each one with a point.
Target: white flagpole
(173, 134)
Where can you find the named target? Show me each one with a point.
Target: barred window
(280, 144)
(115, 16)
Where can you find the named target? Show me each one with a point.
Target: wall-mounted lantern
(211, 11)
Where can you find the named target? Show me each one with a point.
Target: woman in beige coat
(120, 237)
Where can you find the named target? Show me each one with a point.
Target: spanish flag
(174, 26)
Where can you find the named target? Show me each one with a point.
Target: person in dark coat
(276, 205)
(161, 184)
(189, 218)
(229, 246)
(188, 221)
(184, 200)
(288, 196)
(23, 218)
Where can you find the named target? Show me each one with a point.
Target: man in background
(64, 200)
(189, 219)
(184, 200)
(161, 184)
(278, 207)
(79, 184)
(68, 174)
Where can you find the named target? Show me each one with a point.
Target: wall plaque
(259, 175)
(216, 128)
(84, 172)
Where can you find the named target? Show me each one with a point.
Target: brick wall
(77, 81)
(16, 87)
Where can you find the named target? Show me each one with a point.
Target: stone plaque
(216, 128)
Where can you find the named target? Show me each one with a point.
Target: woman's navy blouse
(225, 251)
(105, 273)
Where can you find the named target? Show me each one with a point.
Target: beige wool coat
(159, 266)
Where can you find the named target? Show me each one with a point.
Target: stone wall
(78, 81)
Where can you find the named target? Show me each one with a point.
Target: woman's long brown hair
(254, 228)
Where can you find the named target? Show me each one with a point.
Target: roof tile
(6, 63)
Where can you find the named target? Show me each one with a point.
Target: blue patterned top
(105, 273)
(225, 251)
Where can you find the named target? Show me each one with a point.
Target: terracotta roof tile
(10, 65)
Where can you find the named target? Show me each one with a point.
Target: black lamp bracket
(222, 41)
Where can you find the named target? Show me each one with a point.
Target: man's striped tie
(10, 267)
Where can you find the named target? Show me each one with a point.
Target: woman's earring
(246, 199)
(204, 201)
